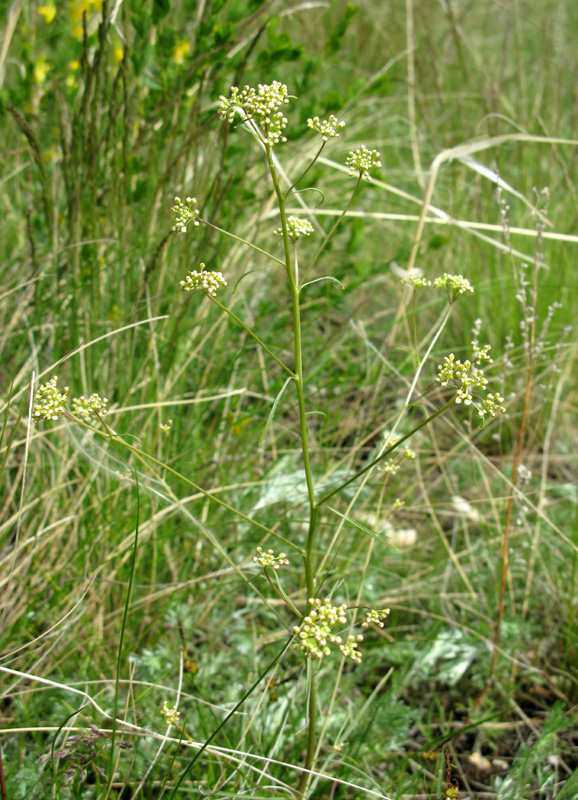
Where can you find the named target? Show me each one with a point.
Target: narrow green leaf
(324, 278)
(361, 527)
(273, 409)
(311, 189)
(160, 9)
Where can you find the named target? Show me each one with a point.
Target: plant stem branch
(303, 174)
(309, 548)
(259, 341)
(242, 241)
(317, 255)
(387, 452)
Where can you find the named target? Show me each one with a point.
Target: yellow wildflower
(48, 11)
(41, 70)
(77, 9)
(181, 50)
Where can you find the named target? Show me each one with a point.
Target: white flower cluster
(49, 401)
(85, 406)
(315, 633)
(269, 559)
(328, 128)
(202, 281)
(297, 227)
(362, 160)
(465, 379)
(455, 285)
(389, 467)
(260, 105)
(375, 617)
(186, 212)
(171, 715)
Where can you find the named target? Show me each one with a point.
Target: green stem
(317, 255)
(386, 452)
(122, 633)
(303, 174)
(242, 241)
(310, 757)
(231, 713)
(254, 335)
(308, 555)
(283, 597)
(296, 330)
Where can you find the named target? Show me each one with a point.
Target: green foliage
(106, 131)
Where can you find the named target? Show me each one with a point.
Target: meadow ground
(127, 578)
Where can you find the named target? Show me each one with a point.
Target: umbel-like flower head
(185, 213)
(297, 227)
(465, 377)
(328, 128)
(203, 281)
(455, 285)
(49, 401)
(361, 161)
(171, 714)
(261, 107)
(315, 633)
(86, 406)
(269, 559)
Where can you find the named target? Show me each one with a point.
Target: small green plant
(324, 625)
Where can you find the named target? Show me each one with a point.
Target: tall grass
(454, 99)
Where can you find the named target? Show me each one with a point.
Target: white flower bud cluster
(389, 438)
(416, 282)
(269, 559)
(260, 105)
(166, 427)
(361, 161)
(491, 404)
(84, 407)
(186, 212)
(482, 353)
(389, 467)
(465, 379)
(171, 715)
(328, 128)
(49, 401)
(375, 617)
(297, 227)
(455, 285)
(202, 281)
(315, 633)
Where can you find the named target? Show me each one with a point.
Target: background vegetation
(103, 122)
